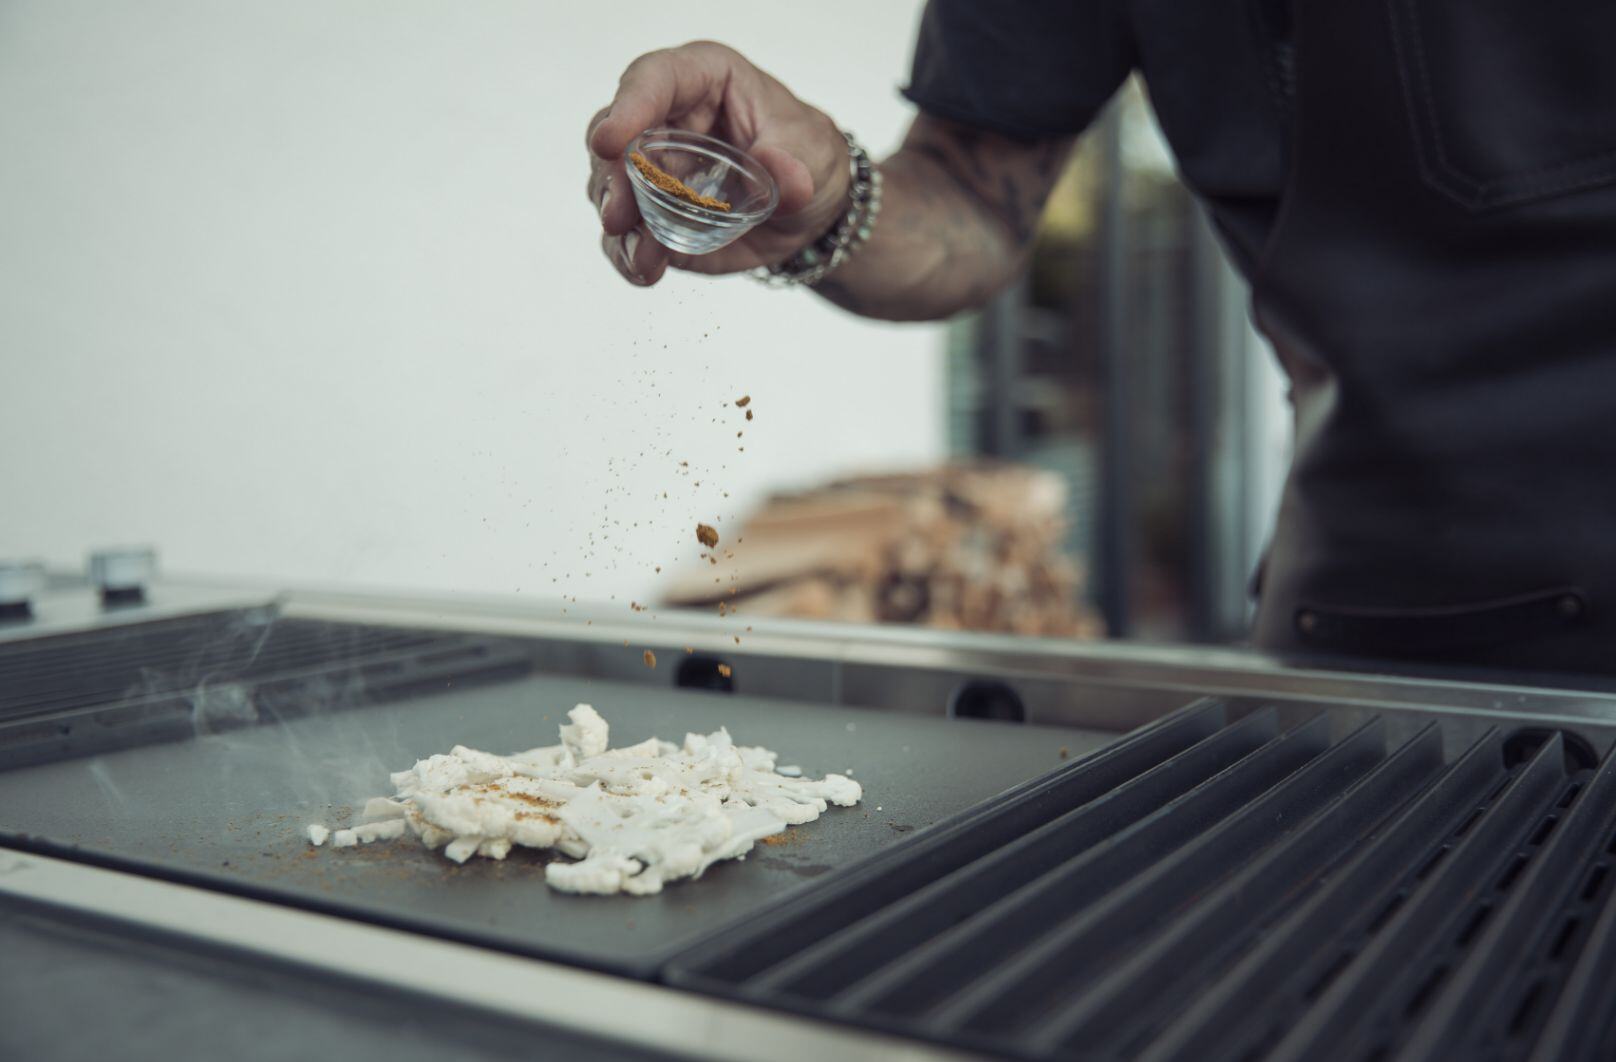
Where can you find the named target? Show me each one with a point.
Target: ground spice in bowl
(667, 182)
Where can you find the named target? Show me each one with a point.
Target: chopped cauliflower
(586, 736)
(633, 818)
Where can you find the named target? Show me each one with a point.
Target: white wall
(310, 291)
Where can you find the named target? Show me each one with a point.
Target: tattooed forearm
(960, 209)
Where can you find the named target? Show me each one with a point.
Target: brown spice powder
(650, 659)
(707, 535)
(667, 182)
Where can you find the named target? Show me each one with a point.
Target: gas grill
(1064, 851)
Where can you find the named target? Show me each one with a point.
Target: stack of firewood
(963, 547)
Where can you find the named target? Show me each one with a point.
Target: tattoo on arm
(1008, 179)
(960, 212)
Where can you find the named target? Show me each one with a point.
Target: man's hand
(959, 204)
(709, 88)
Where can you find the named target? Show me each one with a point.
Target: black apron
(1441, 288)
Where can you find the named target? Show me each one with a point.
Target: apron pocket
(1511, 100)
(1400, 631)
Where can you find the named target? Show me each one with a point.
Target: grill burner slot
(1219, 887)
(987, 699)
(113, 687)
(702, 672)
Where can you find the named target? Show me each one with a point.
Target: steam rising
(268, 745)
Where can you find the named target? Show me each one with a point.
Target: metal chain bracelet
(851, 231)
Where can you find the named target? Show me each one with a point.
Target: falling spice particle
(744, 401)
(725, 670)
(650, 659)
(706, 535)
(749, 414)
(737, 639)
(1065, 753)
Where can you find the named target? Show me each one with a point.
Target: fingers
(640, 259)
(589, 130)
(790, 174)
(655, 87)
(608, 189)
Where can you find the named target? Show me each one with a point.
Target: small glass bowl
(707, 167)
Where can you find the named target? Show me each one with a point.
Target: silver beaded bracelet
(851, 231)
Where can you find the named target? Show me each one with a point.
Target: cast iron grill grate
(91, 691)
(1223, 886)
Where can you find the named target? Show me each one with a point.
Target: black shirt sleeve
(1029, 69)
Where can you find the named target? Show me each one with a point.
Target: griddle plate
(228, 810)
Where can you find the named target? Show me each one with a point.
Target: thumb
(790, 175)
